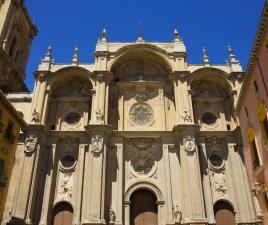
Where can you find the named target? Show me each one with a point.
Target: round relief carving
(67, 163)
(141, 114)
(209, 118)
(142, 164)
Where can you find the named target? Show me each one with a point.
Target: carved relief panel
(217, 155)
(143, 156)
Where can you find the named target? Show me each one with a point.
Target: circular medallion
(141, 114)
(72, 118)
(209, 118)
(142, 163)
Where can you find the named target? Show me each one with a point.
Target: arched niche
(212, 99)
(70, 101)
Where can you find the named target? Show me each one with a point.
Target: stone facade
(16, 33)
(139, 118)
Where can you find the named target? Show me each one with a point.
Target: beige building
(138, 137)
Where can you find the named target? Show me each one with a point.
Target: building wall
(8, 145)
(254, 100)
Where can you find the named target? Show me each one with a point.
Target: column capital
(185, 129)
(41, 76)
(102, 76)
(179, 75)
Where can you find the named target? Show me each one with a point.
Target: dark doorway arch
(62, 214)
(143, 208)
(224, 213)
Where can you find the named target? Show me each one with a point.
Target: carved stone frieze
(30, 145)
(219, 184)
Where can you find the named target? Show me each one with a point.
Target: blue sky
(210, 23)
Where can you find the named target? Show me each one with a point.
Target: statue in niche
(35, 117)
(99, 117)
(112, 216)
(177, 215)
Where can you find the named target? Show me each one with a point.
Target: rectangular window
(256, 88)
(254, 154)
(262, 116)
(9, 132)
(246, 111)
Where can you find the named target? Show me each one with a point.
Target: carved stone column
(193, 203)
(79, 183)
(48, 184)
(101, 98)
(183, 100)
(24, 203)
(117, 204)
(39, 97)
(95, 173)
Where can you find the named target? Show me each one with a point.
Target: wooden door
(63, 214)
(224, 214)
(143, 208)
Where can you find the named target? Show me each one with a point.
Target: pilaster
(193, 203)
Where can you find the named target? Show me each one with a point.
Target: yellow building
(10, 124)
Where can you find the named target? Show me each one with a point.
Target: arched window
(62, 214)
(224, 213)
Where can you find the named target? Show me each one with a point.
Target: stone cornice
(260, 35)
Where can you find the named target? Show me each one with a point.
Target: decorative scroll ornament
(187, 117)
(35, 117)
(141, 114)
(177, 215)
(30, 144)
(189, 143)
(99, 117)
(112, 216)
(97, 144)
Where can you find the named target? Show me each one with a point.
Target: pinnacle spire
(104, 35)
(176, 35)
(206, 60)
(140, 37)
(48, 55)
(232, 58)
(75, 56)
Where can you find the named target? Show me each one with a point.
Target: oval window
(216, 160)
(72, 118)
(67, 161)
(209, 118)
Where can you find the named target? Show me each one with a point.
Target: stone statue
(177, 215)
(35, 117)
(187, 117)
(112, 216)
(30, 144)
(99, 117)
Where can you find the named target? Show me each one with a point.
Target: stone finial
(75, 56)
(232, 58)
(206, 60)
(48, 55)
(104, 35)
(140, 38)
(176, 35)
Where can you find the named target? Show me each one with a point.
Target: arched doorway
(143, 208)
(62, 214)
(224, 213)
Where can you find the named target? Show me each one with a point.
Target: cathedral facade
(138, 137)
